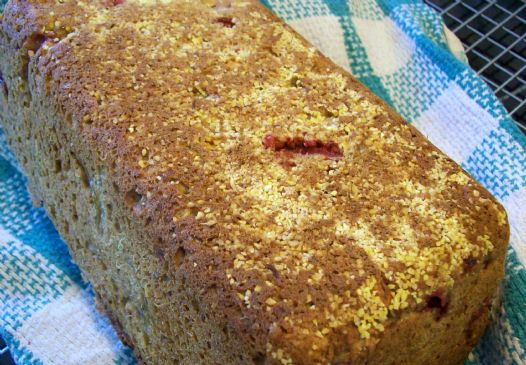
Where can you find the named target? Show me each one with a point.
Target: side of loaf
(234, 197)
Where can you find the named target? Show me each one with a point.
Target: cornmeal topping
(329, 213)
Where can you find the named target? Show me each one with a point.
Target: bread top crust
(310, 210)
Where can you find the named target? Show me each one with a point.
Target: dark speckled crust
(143, 127)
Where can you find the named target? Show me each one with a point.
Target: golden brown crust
(301, 212)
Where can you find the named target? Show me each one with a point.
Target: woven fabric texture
(399, 49)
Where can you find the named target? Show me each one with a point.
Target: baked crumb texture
(236, 198)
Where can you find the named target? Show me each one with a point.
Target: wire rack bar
(488, 19)
(493, 33)
(510, 16)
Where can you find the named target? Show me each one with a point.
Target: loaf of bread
(234, 197)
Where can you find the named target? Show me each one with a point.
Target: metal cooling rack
(493, 33)
(5, 358)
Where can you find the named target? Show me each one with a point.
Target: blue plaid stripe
(481, 93)
(31, 225)
(365, 9)
(417, 19)
(402, 85)
(29, 282)
(499, 163)
(515, 292)
(298, 9)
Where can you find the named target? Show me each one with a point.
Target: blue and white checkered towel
(402, 51)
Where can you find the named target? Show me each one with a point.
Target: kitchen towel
(403, 52)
